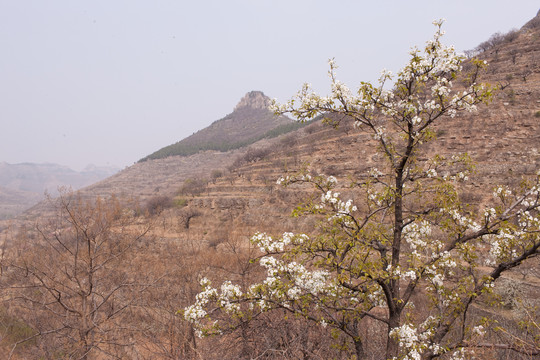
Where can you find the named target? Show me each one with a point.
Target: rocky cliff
(254, 100)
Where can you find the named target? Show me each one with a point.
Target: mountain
(13, 202)
(249, 122)
(222, 198)
(503, 138)
(23, 185)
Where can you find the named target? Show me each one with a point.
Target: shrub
(216, 174)
(193, 186)
(313, 128)
(289, 141)
(511, 96)
(331, 170)
(256, 154)
(15, 330)
(511, 36)
(494, 40)
(157, 204)
(251, 155)
(509, 293)
(180, 202)
(186, 215)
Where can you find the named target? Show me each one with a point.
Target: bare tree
(73, 284)
(186, 215)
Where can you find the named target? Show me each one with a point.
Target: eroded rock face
(255, 100)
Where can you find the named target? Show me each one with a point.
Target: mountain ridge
(250, 121)
(514, 108)
(24, 184)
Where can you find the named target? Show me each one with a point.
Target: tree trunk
(359, 347)
(392, 344)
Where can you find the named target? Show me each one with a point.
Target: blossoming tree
(410, 238)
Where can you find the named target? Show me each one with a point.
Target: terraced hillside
(205, 206)
(502, 138)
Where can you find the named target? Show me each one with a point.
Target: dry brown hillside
(503, 139)
(203, 208)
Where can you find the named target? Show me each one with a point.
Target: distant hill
(23, 185)
(250, 122)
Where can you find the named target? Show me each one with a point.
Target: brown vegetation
(100, 279)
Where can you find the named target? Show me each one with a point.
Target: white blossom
(479, 330)
(431, 173)
(375, 173)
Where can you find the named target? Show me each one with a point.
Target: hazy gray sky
(110, 81)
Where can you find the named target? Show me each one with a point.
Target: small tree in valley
(411, 237)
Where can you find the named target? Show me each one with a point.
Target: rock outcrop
(254, 100)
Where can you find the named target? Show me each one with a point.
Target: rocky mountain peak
(255, 100)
